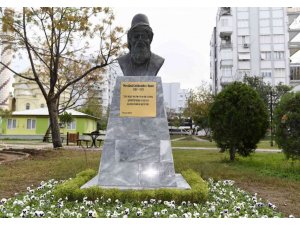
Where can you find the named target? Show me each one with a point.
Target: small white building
(175, 98)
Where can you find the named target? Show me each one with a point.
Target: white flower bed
(225, 200)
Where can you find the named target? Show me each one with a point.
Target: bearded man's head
(140, 37)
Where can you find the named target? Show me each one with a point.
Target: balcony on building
(225, 40)
(295, 74)
(225, 80)
(225, 11)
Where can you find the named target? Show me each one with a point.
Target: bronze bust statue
(140, 61)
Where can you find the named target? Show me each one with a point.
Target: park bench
(74, 138)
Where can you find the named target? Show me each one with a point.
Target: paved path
(209, 148)
(44, 146)
(178, 139)
(199, 139)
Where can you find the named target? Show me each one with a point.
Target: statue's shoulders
(124, 59)
(155, 63)
(156, 58)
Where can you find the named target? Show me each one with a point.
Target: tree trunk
(53, 115)
(47, 134)
(232, 153)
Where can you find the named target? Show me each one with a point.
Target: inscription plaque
(138, 99)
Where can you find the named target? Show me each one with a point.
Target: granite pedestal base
(137, 151)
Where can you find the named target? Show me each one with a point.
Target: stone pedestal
(137, 151)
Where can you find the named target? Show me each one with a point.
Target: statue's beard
(140, 52)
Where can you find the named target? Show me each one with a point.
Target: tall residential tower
(250, 41)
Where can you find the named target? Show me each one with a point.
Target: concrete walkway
(178, 139)
(209, 148)
(199, 139)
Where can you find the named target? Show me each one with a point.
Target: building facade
(250, 42)
(32, 124)
(175, 98)
(6, 76)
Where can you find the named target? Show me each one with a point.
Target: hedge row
(71, 189)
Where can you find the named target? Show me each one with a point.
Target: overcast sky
(181, 36)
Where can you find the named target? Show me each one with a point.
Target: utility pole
(271, 115)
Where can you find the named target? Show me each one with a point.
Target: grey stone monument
(137, 150)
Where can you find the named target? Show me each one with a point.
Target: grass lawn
(190, 142)
(268, 174)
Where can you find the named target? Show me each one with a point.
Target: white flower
(173, 216)
(126, 211)
(39, 213)
(81, 208)
(108, 200)
(196, 214)
(3, 201)
(164, 211)
(205, 215)
(92, 214)
(152, 201)
(139, 213)
(156, 214)
(291, 216)
(183, 203)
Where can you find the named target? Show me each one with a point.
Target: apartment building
(252, 41)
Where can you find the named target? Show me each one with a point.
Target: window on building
(266, 73)
(278, 38)
(279, 72)
(265, 30)
(277, 13)
(242, 9)
(277, 22)
(278, 30)
(31, 124)
(265, 39)
(42, 105)
(244, 56)
(27, 106)
(264, 23)
(226, 71)
(11, 123)
(278, 55)
(243, 23)
(244, 39)
(243, 15)
(266, 55)
(264, 14)
(224, 22)
(72, 125)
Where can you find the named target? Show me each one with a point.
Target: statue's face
(140, 41)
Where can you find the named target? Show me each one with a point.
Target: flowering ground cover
(224, 200)
(271, 176)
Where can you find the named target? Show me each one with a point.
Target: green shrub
(238, 119)
(71, 189)
(287, 123)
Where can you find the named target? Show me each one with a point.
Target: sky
(181, 36)
(182, 32)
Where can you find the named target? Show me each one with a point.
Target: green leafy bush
(238, 119)
(71, 189)
(287, 122)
